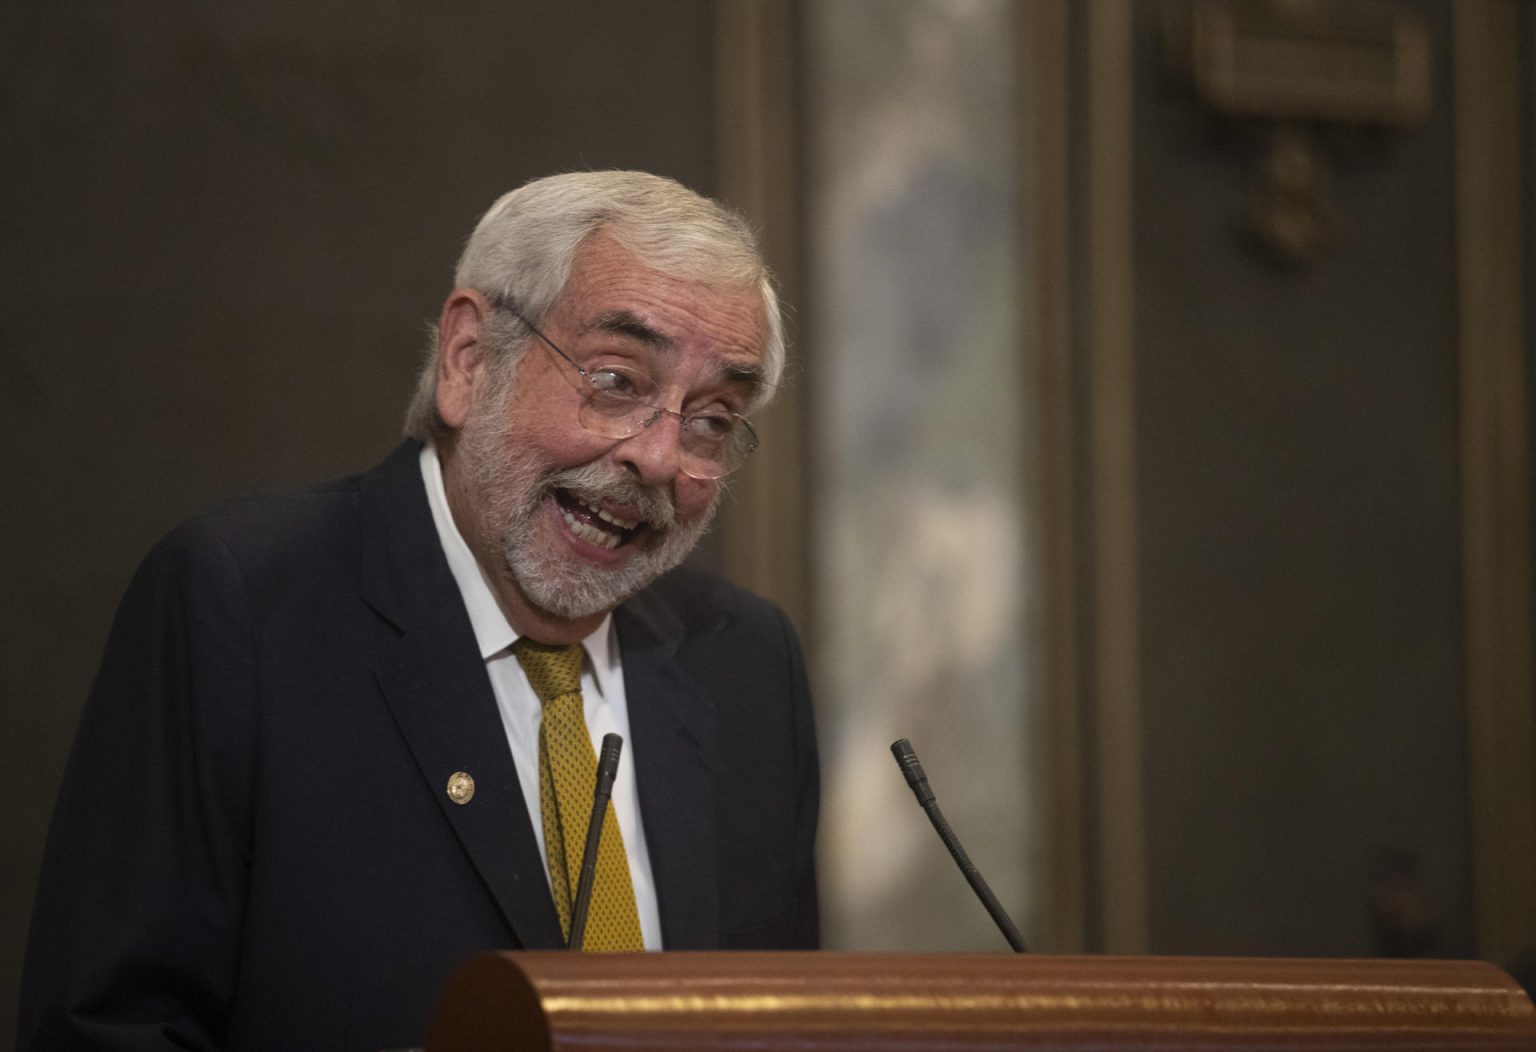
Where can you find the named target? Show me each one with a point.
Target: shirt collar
(493, 635)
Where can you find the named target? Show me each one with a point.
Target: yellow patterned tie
(567, 772)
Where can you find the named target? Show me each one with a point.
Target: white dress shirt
(602, 691)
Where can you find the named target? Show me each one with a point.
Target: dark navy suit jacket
(254, 846)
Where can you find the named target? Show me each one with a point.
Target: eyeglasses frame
(657, 411)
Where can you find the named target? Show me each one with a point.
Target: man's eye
(616, 383)
(713, 426)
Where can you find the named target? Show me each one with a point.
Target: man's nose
(655, 452)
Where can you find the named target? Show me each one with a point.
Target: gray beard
(510, 491)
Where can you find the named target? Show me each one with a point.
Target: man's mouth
(593, 524)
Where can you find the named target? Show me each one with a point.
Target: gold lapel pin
(461, 787)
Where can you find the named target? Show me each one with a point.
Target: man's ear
(463, 358)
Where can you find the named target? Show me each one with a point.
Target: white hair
(522, 250)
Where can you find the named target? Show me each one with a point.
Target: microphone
(918, 781)
(607, 768)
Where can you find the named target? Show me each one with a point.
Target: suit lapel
(673, 724)
(437, 689)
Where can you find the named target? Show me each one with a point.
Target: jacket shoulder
(289, 534)
(702, 601)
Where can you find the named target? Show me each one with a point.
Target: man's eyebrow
(627, 323)
(751, 376)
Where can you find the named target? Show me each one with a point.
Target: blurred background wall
(1202, 449)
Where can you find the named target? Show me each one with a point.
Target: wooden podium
(853, 1002)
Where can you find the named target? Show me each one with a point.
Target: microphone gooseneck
(607, 768)
(917, 779)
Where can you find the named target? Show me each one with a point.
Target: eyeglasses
(618, 404)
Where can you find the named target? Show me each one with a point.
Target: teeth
(591, 534)
(623, 524)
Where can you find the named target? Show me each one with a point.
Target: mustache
(597, 481)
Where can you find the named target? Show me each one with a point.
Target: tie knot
(551, 671)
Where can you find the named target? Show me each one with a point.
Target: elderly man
(342, 740)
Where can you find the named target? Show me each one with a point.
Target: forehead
(610, 291)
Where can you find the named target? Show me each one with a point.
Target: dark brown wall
(1298, 505)
(1528, 154)
(222, 231)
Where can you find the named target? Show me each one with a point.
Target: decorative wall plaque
(1305, 75)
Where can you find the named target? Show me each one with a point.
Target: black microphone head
(613, 745)
(912, 770)
(608, 762)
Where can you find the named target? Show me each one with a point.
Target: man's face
(577, 521)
